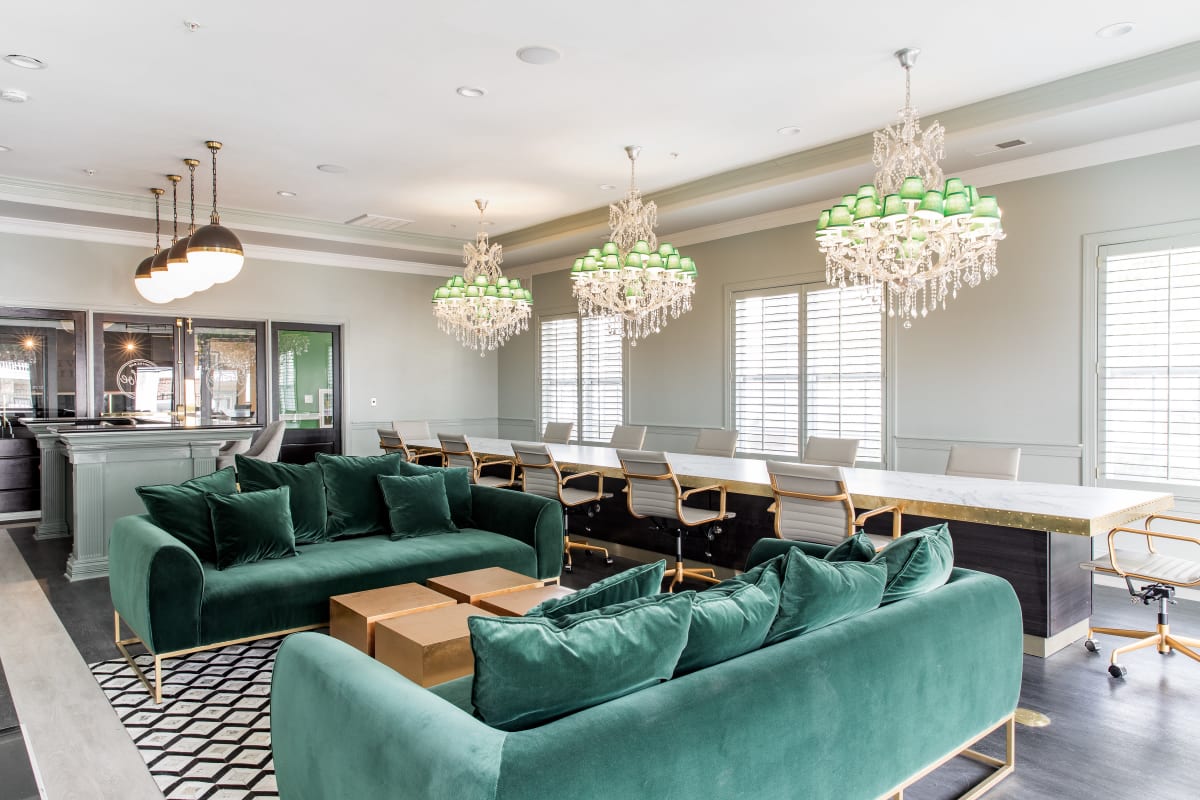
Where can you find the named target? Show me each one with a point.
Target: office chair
(654, 493)
(715, 442)
(540, 475)
(812, 505)
(1165, 573)
(830, 452)
(416, 430)
(629, 437)
(456, 452)
(265, 446)
(558, 432)
(968, 461)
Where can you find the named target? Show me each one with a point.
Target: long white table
(1033, 534)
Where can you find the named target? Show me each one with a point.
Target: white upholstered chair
(654, 493)
(415, 430)
(628, 437)
(558, 432)
(715, 442)
(830, 452)
(813, 505)
(969, 461)
(540, 475)
(265, 446)
(456, 452)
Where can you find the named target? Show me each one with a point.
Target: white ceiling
(128, 92)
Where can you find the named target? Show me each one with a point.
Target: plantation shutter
(559, 370)
(844, 369)
(1149, 376)
(766, 355)
(600, 378)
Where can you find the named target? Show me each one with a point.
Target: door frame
(315, 327)
(79, 318)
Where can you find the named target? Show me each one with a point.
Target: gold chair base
(1002, 767)
(679, 572)
(156, 688)
(1160, 639)
(569, 545)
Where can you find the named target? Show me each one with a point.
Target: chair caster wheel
(707, 554)
(717, 529)
(608, 561)
(1091, 645)
(1117, 671)
(568, 568)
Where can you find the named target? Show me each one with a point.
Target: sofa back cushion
(858, 547)
(458, 488)
(306, 490)
(251, 526)
(815, 593)
(643, 580)
(917, 562)
(530, 670)
(417, 505)
(352, 492)
(728, 619)
(180, 510)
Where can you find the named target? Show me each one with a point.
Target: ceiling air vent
(377, 222)
(1010, 144)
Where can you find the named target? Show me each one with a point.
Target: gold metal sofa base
(1002, 768)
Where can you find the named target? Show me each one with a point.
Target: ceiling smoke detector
(378, 222)
(538, 55)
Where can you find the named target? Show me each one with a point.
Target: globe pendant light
(214, 248)
(147, 283)
(177, 257)
(177, 272)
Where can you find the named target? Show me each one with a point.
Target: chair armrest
(343, 725)
(485, 460)
(536, 521)
(1150, 536)
(895, 511)
(572, 476)
(156, 583)
(716, 487)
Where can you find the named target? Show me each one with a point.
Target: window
(287, 382)
(807, 361)
(1149, 362)
(582, 375)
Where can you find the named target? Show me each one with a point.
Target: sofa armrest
(766, 549)
(384, 736)
(536, 521)
(156, 583)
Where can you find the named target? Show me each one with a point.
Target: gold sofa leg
(1001, 767)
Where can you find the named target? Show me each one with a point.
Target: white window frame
(577, 432)
(1149, 238)
(798, 283)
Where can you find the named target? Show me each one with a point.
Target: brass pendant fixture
(214, 248)
(177, 271)
(150, 285)
(177, 257)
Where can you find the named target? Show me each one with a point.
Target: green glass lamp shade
(609, 249)
(590, 263)
(514, 284)
(823, 221)
(673, 261)
(611, 262)
(972, 193)
(501, 282)
(456, 292)
(472, 291)
(217, 251)
(849, 200)
(912, 188)
(594, 252)
(952, 185)
(665, 250)
(688, 265)
(987, 208)
(957, 204)
(442, 293)
(840, 217)
(654, 261)
(504, 292)
(868, 190)
(866, 208)
(481, 280)
(492, 291)
(931, 205)
(642, 248)
(459, 282)
(578, 266)
(633, 260)
(894, 208)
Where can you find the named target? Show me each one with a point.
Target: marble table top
(1058, 508)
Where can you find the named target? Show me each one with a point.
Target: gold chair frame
(482, 461)
(843, 496)
(562, 481)
(411, 454)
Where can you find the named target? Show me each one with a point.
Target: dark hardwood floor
(1116, 739)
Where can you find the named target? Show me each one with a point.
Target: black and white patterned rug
(211, 737)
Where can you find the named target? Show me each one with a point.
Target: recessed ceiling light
(336, 169)
(470, 91)
(608, 187)
(24, 62)
(14, 95)
(1115, 30)
(283, 193)
(487, 223)
(789, 130)
(538, 55)
(5, 149)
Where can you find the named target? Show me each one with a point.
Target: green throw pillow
(858, 547)
(530, 670)
(306, 485)
(352, 493)
(416, 504)
(917, 562)
(180, 510)
(458, 488)
(816, 593)
(641, 581)
(767, 576)
(252, 526)
(728, 619)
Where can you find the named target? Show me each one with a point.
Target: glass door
(226, 381)
(308, 388)
(137, 366)
(42, 363)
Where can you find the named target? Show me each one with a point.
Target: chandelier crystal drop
(482, 308)
(913, 238)
(636, 283)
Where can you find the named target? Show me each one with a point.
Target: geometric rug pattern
(211, 737)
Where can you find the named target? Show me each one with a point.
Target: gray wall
(393, 350)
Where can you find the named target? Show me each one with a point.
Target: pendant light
(214, 248)
(177, 257)
(177, 272)
(144, 279)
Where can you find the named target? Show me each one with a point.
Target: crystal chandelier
(912, 238)
(482, 308)
(633, 280)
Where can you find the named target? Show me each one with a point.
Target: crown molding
(79, 198)
(1174, 67)
(84, 233)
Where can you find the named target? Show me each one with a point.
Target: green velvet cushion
(816, 593)
(416, 504)
(858, 547)
(251, 526)
(641, 581)
(917, 562)
(727, 620)
(767, 576)
(180, 510)
(458, 489)
(352, 492)
(306, 485)
(530, 670)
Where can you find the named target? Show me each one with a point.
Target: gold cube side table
(471, 587)
(431, 647)
(353, 617)
(515, 604)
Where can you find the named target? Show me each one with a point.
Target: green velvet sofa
(175, 604)
(853, 711)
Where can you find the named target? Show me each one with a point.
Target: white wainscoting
(518, 429)
(1044, 463)
(364, 439)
